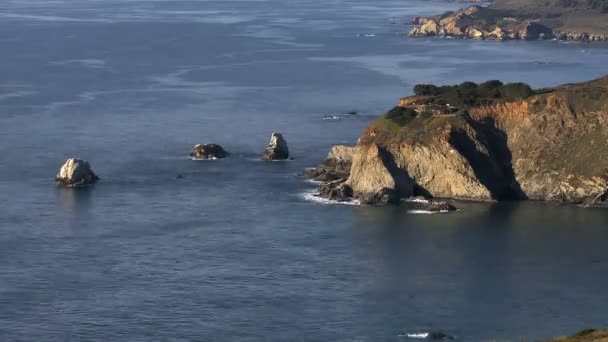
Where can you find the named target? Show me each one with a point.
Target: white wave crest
(418, 336)
(203, 159)
(427, 212)
(313, 196)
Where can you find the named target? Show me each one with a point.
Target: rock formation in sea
(511, 20)
(76, 172)
(208, 151)
(488, 142)
(277, 148)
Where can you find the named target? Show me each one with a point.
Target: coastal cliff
(586, 335)
(585, 20)
(488, 142)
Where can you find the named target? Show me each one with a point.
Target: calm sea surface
(234, 251)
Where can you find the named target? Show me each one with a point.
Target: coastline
(508, 22)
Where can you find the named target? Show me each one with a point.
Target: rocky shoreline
(487, 23)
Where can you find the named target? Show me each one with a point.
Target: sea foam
(313, 196)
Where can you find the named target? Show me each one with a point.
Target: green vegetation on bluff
(404, 123)
(472, 94)
(432, 107)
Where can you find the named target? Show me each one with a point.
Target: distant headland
(584, 20)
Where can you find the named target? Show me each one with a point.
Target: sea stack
(208, 151)
(277, 148)
(76, 172)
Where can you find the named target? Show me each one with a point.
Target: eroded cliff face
(548, 147)
(557, 141)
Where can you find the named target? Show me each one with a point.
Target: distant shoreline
(519, 20)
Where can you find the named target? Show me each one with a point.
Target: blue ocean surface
(235, 249)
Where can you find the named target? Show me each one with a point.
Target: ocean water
(236, 250)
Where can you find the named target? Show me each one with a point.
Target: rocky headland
(483, 142)
(585, 20)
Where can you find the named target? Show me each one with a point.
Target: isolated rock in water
(76, 172)
(208, 151)
(277, 148)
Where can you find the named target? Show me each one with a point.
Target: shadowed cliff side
(494, 167)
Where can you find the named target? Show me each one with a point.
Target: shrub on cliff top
(515, 91)
(471, 94)
(401, 115)
(584, 332)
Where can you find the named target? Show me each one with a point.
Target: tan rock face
(498, 34)
(556, 141)
(451, 27)
(335, 167)
(474, 33)
(373, 171)
(429, 28)
(441, 171)
(341, 154)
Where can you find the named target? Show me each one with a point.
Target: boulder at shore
(336, 166)
(76, 172)
(208, 151)
(277, 148)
